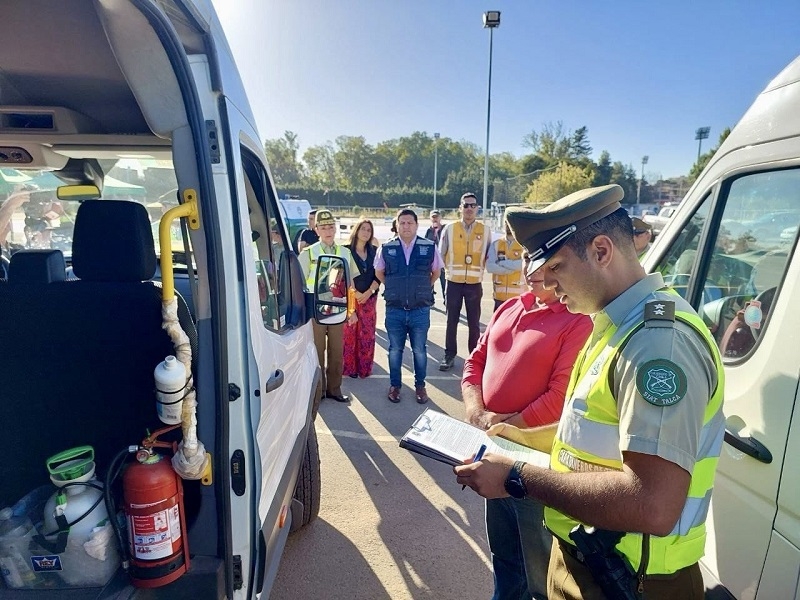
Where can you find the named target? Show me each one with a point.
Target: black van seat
(37, 266)
(79, 355)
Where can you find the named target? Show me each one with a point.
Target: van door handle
(749, 445)
(275, 380)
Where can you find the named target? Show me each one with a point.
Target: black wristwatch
(514, 484)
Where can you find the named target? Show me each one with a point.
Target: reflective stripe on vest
(588, 434)
(314, 252)
(466, 253)
(513, 284)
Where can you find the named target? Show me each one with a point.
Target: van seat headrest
(37, 266)
(113, 241)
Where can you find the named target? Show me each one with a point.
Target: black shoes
(338, 397)
(446, 364)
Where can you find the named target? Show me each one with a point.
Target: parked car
(659, 221)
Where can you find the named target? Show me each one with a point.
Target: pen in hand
(476, 458)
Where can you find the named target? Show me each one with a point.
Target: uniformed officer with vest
(635, 452)
(505, 264)
(464, 246)
(327, 338)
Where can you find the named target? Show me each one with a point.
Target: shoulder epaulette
(659, 310)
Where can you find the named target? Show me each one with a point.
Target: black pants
(470, 294)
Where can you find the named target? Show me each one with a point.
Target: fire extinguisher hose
(114, 469)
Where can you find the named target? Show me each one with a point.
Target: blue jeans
(520, 546)
(412, 324)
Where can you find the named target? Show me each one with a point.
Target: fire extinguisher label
(156, 535)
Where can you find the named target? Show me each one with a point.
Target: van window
(758, 219)
(268, 244)
(676, 266)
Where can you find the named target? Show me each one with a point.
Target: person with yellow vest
(633, 458)
(464, 246)
(328, 339)
(505, 264)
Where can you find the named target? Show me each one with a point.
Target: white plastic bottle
(16, 534)
(170, 376)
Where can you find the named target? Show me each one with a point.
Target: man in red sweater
(518, 373)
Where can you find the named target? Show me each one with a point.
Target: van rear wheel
(307, 490)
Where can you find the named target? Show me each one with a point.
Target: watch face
(514, 484)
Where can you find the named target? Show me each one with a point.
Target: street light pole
(700, 135)
(639, 189)
(435, 166)
(491, 20)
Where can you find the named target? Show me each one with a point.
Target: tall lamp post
(491, 20)
(700, 135)
(639, 189)
(435, 166)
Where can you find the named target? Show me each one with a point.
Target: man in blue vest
(633, 458)
(408, 266)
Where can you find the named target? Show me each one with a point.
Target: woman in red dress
(359, 338)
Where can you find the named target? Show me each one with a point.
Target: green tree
(602, 171)
(354, 162)
(554, 143)
(281, 156)
(559, 182)
(625, 176)
(579, 146)
(320, 166)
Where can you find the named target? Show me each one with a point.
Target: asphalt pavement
(392, 524)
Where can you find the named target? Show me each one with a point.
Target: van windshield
(32, 216)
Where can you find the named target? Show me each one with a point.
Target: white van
(726, 250)
(141, 99)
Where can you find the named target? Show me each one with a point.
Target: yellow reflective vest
(314, 252)
(466, 253)
(512, 284)
(591, 442)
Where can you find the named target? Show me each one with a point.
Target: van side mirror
(330, 290)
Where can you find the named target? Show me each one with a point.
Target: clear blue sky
(642, 76)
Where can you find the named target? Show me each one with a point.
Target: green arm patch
(661, 382)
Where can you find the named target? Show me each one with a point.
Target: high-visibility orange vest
(466, 253)
(512, 284)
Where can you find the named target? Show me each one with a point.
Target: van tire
(307, 490)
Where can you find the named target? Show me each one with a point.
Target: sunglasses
(640, 232)
(469, 205)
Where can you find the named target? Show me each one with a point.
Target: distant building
(670, 190)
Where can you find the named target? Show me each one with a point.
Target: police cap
(640, 226)
(543, 231)
(325, 217)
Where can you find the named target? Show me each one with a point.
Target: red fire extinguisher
(153, 506)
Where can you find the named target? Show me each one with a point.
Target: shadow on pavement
(333, 563)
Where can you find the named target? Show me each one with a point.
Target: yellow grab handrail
(187, 209)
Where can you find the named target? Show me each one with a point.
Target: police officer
(637, 445)
(642, 236)
(327, 338)
(505, 264)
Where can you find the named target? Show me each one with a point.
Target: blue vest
(408, 285)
